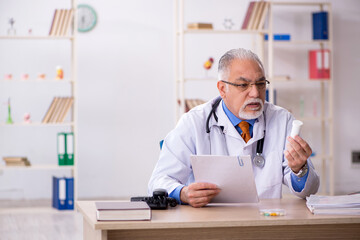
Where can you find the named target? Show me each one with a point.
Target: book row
(58, 110)
(61, 22)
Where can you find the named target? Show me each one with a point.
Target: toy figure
(8, 76)
(208, 64)
(41, 76)
(59, 73)
(27, 118)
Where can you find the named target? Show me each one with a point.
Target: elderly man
(232, 124)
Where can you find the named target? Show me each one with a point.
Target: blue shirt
(297, 183)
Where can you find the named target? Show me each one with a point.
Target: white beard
(252, 115)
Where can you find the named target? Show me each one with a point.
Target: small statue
(27, 118)
(207, 65)
(228, 23)
(9, 119)
(11, 30)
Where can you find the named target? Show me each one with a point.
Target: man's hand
(199, 194)
(297, 152)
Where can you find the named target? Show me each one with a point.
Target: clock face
(87, 18)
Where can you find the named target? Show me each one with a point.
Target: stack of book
(58, 110)
(200, 26)
(61, 22)
(16, 161)
(122, 211)
(191, 103)
(255, 15)
(339, 205)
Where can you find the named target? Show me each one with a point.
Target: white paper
(232, 174)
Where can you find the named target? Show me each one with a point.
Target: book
(200, 26)
(68, 22)
(339, 205)
(261, 23)
(60, 23)
(320, 25)
(58, 110)
(319, 64)
(122, 211)
(69, 198)
(258, 15)
(55, 19)
(16, 161)
(248, 15)
(253, 16)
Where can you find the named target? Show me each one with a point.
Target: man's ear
(222, 89)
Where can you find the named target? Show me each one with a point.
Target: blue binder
(69, 193)
(59, 193)
(63, 193)
(278, 37)
(320, 25)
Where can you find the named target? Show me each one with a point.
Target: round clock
(87, 18)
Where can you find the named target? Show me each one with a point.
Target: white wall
(125, 88)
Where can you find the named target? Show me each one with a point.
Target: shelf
(39, 167)
(38, 81)
(198, 79)
(36, 37)
(299, 80)
(302, 42)
(210, 31)
(37, 124)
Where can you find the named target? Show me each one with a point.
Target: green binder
(69, 149)
(65, 148)
(61, 148)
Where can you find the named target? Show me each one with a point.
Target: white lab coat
(190, 137)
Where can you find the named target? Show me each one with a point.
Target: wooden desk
(241, 221)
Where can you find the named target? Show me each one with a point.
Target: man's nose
(254, 91)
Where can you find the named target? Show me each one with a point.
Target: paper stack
(339, 205)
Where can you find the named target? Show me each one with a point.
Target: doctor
(233, 125)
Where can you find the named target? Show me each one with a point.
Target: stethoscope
(258, 160)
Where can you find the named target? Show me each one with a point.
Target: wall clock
(87, 18)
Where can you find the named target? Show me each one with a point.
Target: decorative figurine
(9, 119)
(25, 76)
(11, 30)
(41, 76)
(59, 73)
(27, 118)
(207, 65)
(228, 23)
(8, 77)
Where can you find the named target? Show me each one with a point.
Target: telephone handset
(159, 200)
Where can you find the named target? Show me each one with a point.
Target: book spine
(61, 148)
(247, 16)
(69, 193)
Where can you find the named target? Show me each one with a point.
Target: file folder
(69, 160)
(59, 193)
(69, 193)
(61, 148)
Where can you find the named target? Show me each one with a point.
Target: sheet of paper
(233, 174)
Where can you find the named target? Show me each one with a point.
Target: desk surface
(234, 215)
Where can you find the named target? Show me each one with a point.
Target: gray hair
(229, 56)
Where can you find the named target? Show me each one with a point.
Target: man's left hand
(297, 152)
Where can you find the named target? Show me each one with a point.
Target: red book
(319, 64)
(248, 15)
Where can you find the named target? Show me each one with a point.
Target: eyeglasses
(260, 85)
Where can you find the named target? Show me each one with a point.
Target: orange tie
(244, 126)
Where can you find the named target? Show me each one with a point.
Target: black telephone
(159, 200)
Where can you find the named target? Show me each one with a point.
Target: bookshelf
(69, 83)
(324, 87)
(181, 32)
(268, 53)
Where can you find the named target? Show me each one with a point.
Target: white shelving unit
(72, 80)
(325, 156)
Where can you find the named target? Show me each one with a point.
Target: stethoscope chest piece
(259, 161)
